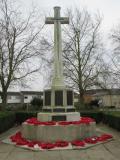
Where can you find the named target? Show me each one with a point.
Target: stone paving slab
(3, 155)
(20, 156)
(48, 155)
(74, 155)
(106, 151)
(100, 153)
(6, 148)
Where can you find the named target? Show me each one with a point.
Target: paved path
(106, 151)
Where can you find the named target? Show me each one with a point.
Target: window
(26, 97)
(9, 97)
(17, 97)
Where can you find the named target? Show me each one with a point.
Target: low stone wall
(58, 132)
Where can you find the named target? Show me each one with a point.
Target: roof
(96, 92)
(32, 92)
(11, 93)
(24, 92)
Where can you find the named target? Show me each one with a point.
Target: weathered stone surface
(70, 116)
(60, 95)
(58, 132)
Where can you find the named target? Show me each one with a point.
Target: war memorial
(58, 126)
(58, 101)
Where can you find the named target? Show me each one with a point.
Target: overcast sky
(109, 9)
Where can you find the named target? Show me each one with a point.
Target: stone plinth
(58, 132)
(58, 100)
(52, 116)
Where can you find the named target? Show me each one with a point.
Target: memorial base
(56, 116)
(76, 128)
(59, 109)
(58, 132)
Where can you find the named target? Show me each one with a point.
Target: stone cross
(58, 81)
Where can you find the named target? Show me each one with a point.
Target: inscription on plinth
(59, 118)
(47, 98)
(58, 98)
(69, 98)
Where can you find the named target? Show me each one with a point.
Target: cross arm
(62, 20)
(49, 20)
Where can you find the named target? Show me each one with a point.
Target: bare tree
(82, 51)
(116, 54)
(18, 41)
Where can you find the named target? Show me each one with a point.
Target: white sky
(109, 9)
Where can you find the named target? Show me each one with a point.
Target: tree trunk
(81, 99)
(4, 99)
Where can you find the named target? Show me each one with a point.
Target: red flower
(36, 142)
(30, 120)
(91, 140)
(65, 123)
(47, 145)
(104, 137)
(50, 123)
(16, 137)
(86, 120)
(60, 143)
(21, 142)
(34, 121)
(31, 144)
(78, 143)
(76, 122)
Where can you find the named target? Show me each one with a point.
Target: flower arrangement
(78, 143)
(20, 141)
(83, 120)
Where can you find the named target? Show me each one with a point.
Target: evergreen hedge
(97, 115)
(23, 115)
(112, 119)
(7, 120)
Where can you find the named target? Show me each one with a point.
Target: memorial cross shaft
(58, 81)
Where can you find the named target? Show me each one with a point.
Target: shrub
(7, 120)
(112, 119)
(97, 115)
(23, 115)
(37, 101)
